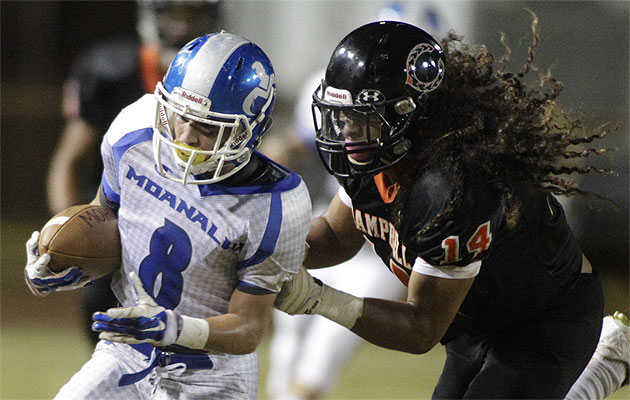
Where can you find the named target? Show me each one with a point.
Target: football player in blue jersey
(448, 165)
(105, 79)
(210, 229)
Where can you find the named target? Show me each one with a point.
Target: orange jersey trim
(387, 189)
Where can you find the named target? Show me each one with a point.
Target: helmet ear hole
(404, 106)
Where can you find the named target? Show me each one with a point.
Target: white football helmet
(222, 80)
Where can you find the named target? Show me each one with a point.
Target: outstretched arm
(414, 326)
(418, 324)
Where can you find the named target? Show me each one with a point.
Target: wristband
(340, 307)
(192, 332)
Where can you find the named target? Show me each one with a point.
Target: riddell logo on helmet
(239, 139)
(338, 95)
(163, 118)
(191, 97)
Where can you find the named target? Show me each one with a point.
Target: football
(85, 236)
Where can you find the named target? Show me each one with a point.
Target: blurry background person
(103, 80)
(308, 353)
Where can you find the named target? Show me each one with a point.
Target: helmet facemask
(364, 137)
(230, 152)
(383, 73)
(217, 97)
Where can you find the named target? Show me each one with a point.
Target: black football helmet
(377, 84)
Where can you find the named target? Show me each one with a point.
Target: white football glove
(41, 280)
(305, 294)
(148, 322)
(301, 295)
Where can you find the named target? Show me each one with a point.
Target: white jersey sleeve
(133, 121)
(277, 255)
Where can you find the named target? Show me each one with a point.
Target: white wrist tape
(340, 307)
(193, 332)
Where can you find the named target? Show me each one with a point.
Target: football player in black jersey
(108, 77)
(448, 165)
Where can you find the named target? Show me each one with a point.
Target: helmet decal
(425, 69)
(260, 91)
(335, 95)
(370, 96)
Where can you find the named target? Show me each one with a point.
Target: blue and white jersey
(193, 245)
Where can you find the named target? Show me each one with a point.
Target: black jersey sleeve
(464, 236)
(106, 79)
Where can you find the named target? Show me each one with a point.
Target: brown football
(84, 236)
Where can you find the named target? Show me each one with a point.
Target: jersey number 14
(478, 242)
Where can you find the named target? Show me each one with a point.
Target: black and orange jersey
(519, 271)
(107, 78)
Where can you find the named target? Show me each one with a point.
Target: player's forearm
(63, 187)
(234, 334)
(390, 324)
(396, 325)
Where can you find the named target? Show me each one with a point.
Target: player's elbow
(424, 338)
(423, 345)
(420, 344)
(414, 338)
(249, 344)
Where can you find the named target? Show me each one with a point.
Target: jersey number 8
(170, 252)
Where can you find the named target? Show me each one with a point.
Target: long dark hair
(490, 122)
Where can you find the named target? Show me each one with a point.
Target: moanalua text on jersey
(181, 207)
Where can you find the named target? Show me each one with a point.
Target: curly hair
(490, 122)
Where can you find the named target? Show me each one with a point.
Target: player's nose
(352, 131)
(189, 134)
